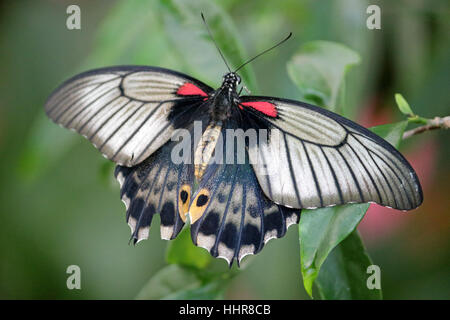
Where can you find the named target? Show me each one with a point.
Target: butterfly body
(285, 155)
(206, 147)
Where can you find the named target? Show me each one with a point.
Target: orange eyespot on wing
(199, 205)
(184, 198)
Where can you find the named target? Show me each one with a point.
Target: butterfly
(303, 156)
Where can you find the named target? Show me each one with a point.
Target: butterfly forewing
(124, 111)
(315, 158)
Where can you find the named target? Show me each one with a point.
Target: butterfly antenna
(215, 43)
(267, 50)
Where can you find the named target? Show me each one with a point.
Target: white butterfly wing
(124, 110)
(315, 158)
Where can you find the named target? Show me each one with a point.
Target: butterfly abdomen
(205, 148)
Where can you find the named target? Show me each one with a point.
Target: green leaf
(318, 69)
(183, 252)
(344, 273)
(320, 230)
(190, 38)
(323, 229)
(392, 132)
(187, 276)
(168, 281)
(183, 283)
(208, 291)
(403, 105)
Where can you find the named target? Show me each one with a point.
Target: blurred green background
(60, 206)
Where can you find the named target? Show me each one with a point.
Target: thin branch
(432, 124)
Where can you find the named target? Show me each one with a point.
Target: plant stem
(432, 124)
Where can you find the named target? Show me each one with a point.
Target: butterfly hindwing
(230, 215)
(124, 110)
(322, 159)
(153, 187)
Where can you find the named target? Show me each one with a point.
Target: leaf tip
(309, 276)
(403, 105)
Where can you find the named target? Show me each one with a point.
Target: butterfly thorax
(225, 98)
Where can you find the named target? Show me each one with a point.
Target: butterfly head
(231, 80)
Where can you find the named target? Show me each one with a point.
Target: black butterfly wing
(157, 185)
(231, 216)
(124, 110)
(316, 158)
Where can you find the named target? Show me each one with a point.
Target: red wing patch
(188, 89)
(267, 108)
